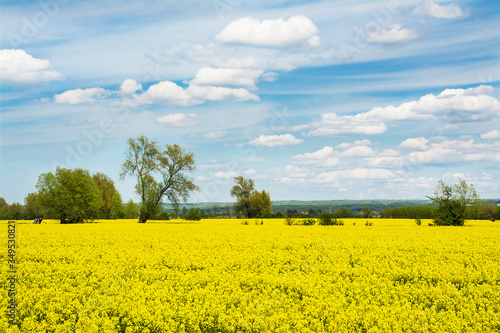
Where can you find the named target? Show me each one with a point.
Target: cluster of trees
(250, 203)
(16, 211)
(74, 195)
(69, 195)
(453, 202)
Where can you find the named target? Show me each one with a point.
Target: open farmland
(222, 276)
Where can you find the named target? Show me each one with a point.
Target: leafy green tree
(343, 212)
(326, 218)
(111, 199)
(242, 191)
(193, 215)
(161, 173)
(260, 203)
(489, 210)
(131, 210)
(70, 195)
(32, 207)
(452, 201)
(4, 206)
(15, 212)
(163, 216)
(366, 212)
(214, 209)
(227, 211)
(249, 202)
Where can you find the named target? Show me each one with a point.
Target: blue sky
(311, 99)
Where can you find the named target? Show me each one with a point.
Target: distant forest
(358, 208)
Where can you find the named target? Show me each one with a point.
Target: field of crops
(223, 276)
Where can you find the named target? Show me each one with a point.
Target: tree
(4, 206)
(214, 209)
(193, 215)
(160, 174)
(489, 210)
(242, 191)
(326, 218)
(69, 195)
(15, 211)
(227, 211)
(249, 203)
(452, 201)
(260, 203)
(366, 212)
(163, 216)
(131, 210)
(32, 208)
(112, 200)
(343, 212)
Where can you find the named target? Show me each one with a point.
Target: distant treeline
(487, 211)
(409, 212)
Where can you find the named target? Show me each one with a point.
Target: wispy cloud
(448, 11)
(276, 140)
(179, 119)
(393, 34)
(215, 134)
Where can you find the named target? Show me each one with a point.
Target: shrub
(163, 216)
(305, 222)
(193, 215)
(418, 221)
(326, 218)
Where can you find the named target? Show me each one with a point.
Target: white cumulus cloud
(491, 135)
(465, 105)
(80, 96)
(271, 33)
(130, 86)
(19, 67)
(169, 93)
(415, 144)
(322, 157)
(358, 151)
(276, 140)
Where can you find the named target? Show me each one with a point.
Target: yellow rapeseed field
(222, 276)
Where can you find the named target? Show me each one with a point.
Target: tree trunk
(143, 218)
